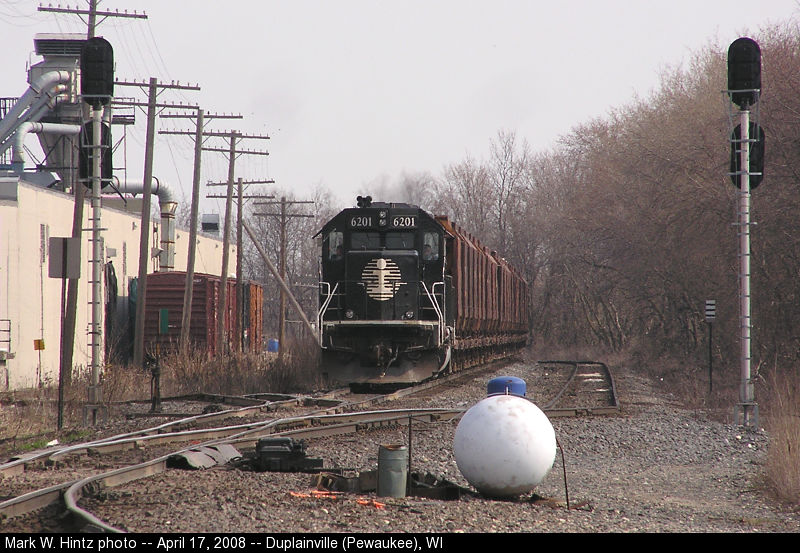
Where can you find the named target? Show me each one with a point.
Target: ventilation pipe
(32, 97)
(56, 96)
(18, 151)
(168, 206)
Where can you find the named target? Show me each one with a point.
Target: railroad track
(588, 390)
(337, 413)
(323, 416)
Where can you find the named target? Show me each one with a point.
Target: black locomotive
(405, 296)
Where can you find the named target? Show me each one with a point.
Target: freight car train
(406, 296)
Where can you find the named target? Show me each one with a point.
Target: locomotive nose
(382, 286)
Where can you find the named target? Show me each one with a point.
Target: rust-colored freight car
(253, 317)
(490, 307)
(164, 309)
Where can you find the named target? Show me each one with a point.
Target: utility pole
(92, 14)
(239, 269)
(282, 265)
(152, 106)
(281, 281)
(233, 152)
(200, 117)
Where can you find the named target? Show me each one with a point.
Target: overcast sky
(353, 91)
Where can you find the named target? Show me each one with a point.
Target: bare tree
(508, 168)
(463, 194)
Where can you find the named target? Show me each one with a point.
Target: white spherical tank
(504, 446)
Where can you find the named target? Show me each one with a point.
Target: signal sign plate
(711, 310)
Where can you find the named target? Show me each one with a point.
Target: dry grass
(241, 373)
(782, 420)
(28, 418)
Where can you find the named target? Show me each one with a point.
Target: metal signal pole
(744, 88)
(95, 395)
(747, 407)
(69, 322)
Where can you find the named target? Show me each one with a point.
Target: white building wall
(31, 301)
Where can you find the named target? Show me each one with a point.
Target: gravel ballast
(655, 467)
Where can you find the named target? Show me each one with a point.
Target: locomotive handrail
(326, 303)
(432, 298)
(328, 297)
(442, 322)
(326, 294)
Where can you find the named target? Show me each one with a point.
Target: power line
(92, 13)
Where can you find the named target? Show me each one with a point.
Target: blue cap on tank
(507, 385)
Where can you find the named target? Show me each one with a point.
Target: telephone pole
(153, 89)
(233, 138)
(239, 270)
(282, 266)
(92, 14)
(200, 117)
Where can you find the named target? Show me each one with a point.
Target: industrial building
(37, 203)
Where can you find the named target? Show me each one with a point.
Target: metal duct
(18, 151)
(43, 84)
(167, 206)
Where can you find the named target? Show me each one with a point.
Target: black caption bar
(236, 543)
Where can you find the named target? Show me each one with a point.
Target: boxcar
(165, 299)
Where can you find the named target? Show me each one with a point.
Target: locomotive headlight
(409, 315)
(349, 314)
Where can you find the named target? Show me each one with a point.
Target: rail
(333, 417)
(328, 297)
(588, 384)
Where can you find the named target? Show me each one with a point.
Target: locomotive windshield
(399, 240)
(391, 241)
(365, 241)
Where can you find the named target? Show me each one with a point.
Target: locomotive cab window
(399, 240)
(335, 246)
(365, 241)
(430, 246)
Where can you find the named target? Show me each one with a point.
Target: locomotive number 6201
(404, 221)
(361, 221)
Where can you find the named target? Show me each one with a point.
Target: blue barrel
(509, 385)
(272, 345)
